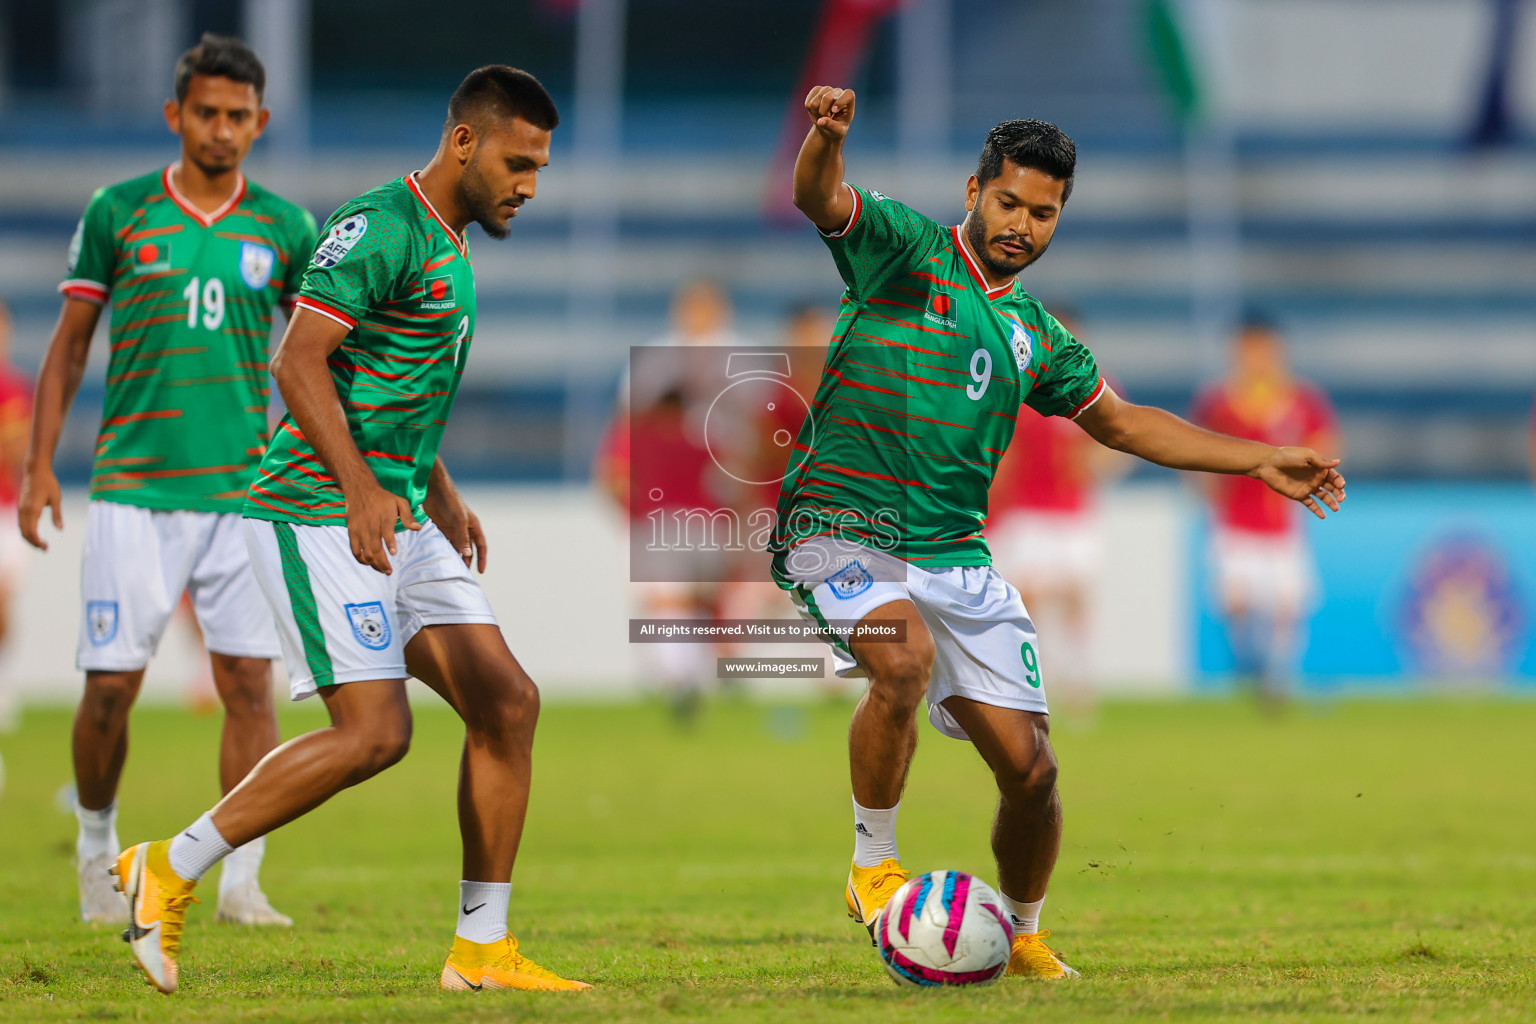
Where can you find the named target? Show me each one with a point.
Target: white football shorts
(344, 622)
(139, 561)
(1266, 572)
(1048, 550)
(985, 647)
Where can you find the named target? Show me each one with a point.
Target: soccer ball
(944, 928)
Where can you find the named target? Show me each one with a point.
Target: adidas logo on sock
(861, 830)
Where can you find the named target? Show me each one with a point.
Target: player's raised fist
(831, 110)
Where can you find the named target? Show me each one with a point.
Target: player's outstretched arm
(305, 382)
(58, 380)
(446, 507)
(818, 188)
(1161, 437)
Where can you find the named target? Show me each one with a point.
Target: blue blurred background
(1363, 172)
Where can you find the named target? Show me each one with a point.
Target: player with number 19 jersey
(192, 293)
(400, 279)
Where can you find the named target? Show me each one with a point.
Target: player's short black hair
(221, 57)
(499, 91)
(1032, 143)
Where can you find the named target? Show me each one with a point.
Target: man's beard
(481, 203)
(213, 169)
(976, 234)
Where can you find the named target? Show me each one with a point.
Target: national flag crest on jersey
(437, 292)
(151, 257)
(256, 262)
(941, 309)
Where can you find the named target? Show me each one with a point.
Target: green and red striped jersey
(184, 421)
(392, 271)
(923, 381)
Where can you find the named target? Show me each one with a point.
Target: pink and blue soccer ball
(944, 928)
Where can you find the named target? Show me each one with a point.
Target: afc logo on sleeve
(340, 240)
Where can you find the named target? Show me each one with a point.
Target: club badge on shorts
(370, 626)
(101, 617)
(850, 581)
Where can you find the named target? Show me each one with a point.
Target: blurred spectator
(1265, 578)
(15, 419)
(655, 464)
(1046, 538)
(772, 428)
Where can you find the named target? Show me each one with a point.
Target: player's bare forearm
(1161, 437)
(304, 380)
(58, 381)
(818, 178)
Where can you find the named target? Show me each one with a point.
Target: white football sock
(242, 865)
(197, 848)
(1026, 916)
(483, 911)
(98, 831)
(874, 835)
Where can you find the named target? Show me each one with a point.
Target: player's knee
(383, 744)
(109, 695)
(902, 676)
(1028, 779)
(248, 702)
(508, 720)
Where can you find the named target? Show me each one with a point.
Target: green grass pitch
(1359, 860)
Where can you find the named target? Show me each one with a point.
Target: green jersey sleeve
(92, 252)
(1069, 380)
(883, 237)
(301, 237)
(360, 261)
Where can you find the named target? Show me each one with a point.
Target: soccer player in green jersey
(192, 258)
(363, 545)
(881, 516)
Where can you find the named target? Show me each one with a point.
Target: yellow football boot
(870, 889)
(1032, 958)
(157, 908)
(473, 966)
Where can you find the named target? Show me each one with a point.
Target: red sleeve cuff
(853, 218)
(314, 305)
(1085, 404)
(90, 291)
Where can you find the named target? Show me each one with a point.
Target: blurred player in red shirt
(656, 441)
(15, 419)
(1046, 537)
(1264, 573)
